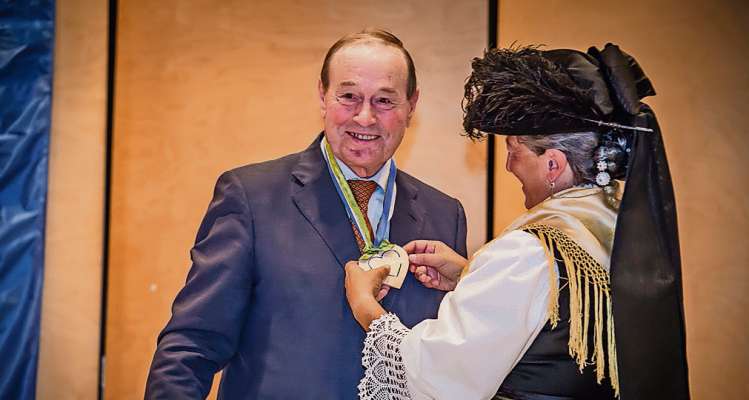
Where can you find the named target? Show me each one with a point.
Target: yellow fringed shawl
(577, 227)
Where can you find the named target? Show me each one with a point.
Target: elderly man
(264, 299)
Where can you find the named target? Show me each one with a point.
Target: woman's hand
(435, 264)
(363, 290)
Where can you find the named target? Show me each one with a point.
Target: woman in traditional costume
(580, 297)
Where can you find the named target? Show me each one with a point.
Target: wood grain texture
(204, 86)
(69, 338)
(696, 54)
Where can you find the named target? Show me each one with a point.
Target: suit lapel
(406, 225)
(408, 216)
(317, 199)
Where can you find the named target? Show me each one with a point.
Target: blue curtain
(26, 41)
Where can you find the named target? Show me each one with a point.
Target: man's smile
(362, 136)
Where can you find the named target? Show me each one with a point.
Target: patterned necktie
(362, 191)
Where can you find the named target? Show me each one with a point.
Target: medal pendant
(396, 258)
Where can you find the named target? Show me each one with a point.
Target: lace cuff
(385, 374)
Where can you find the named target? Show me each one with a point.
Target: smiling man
(367, 101)
(264, 298)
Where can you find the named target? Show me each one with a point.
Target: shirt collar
(380, 178)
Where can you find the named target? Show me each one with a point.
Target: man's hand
(363, 291)
(435, 264)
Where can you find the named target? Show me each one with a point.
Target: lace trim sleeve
(385, 374)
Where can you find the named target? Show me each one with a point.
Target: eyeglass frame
(357, 101)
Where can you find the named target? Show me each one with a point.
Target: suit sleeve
(460, 231)
(210, 310)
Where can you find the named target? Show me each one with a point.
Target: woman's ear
(556, 164)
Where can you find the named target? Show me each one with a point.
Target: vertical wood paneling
(69, 338)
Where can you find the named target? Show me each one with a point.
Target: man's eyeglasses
(379, 103)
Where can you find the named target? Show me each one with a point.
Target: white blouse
(482, 329)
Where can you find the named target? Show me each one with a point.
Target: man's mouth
(361, 136)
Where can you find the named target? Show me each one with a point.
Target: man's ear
(556, 163)
(321, 93)
(412, 102)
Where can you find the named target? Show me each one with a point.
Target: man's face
(365, 108)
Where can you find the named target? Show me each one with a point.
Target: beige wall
(204, 86)
(71, 300)
(695, 53)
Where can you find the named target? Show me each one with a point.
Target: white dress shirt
(377, 201)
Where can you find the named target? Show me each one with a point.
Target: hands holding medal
(433, 263)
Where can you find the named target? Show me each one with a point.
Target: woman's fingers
(429, 277)
(350, 265)
(434, 260)
(359, 281)
(381, 273)
(421, 246)
(384, 290)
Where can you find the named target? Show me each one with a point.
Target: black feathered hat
(528, 91)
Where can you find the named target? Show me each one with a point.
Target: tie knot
(362, 191)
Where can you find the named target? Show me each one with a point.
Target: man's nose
(365, 116)
(507, 164)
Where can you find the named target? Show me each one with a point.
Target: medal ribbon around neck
(378, 244)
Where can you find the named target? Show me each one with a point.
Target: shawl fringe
(588, 282)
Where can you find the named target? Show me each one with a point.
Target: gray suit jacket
(264, 299)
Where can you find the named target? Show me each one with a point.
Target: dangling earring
(551, 188)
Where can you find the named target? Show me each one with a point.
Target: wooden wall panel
(69, 339)
(696, 55)
(204, 86)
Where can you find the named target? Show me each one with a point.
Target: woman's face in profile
(530, 169)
